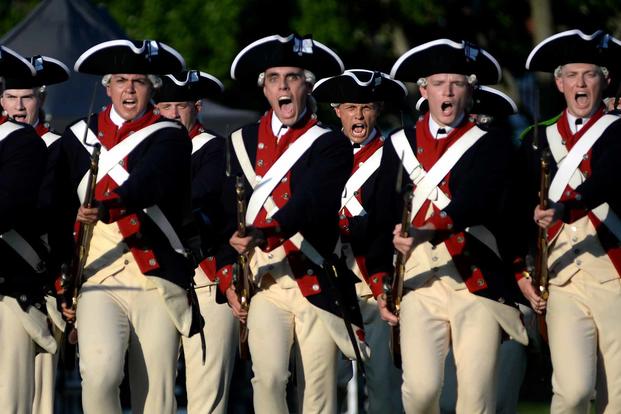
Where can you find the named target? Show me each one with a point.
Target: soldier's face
(184, 112)
(358, 120)
(583, 85)
(130, 94)
(286, 91)
(449, 95)
(22, 105)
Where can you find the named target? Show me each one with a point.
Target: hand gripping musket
(72, 276)
(241, 272)
(393, 286)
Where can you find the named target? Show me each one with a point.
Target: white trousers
(433, 318)
(208, 385)
(118, 315)
(584, 331)
(276, 318)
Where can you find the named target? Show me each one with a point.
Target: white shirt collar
(434, 126)
(278, 128)
(571, 120)
(117, 119)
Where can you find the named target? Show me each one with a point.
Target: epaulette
(546, 123)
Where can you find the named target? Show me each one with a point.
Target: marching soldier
(455, 289)
(24, 280)
(357, 97)
(582, 224)
(22, 100)
(207, 384)
(138, 273)
(294, 171)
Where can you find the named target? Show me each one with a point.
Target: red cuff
(224, 275)
(441, 221)
(344, 225)
(272, 233)
(376, 283)
(574, 208)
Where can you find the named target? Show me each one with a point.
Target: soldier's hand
(404, 245)
(236, 307)
(87, 215)
(67, 312)
(385, 314)
(254, 237)
(545, 218)
(530, 292)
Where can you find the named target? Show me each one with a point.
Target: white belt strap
(442, 167)
(356, 181)
(573, 177)
(283, 164)
(23, 249)
(569, 162)
(7, 128)
(270, 205)
(120, 174)
(438, 197)
(109, 159)
(49, 138)
(200, 140)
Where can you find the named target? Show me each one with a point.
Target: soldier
(22, 100)
(455, 291)
(207, 384)
(135, 297)
(357, 97)
(24, 280)
(582, 224)
(297, 170)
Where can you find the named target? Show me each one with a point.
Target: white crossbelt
(109, 165)
(49, 138)
(8, 128)
(269, 204)
(569, 174)
(427, 182)
(200, 140)
(357, 179)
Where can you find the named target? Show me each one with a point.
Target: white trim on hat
(501, 94)
(352, 74)
(566, 33)
(281, 40)
(438, 42)
(201, 74)
(127, 43)
(19, 57)
(54, 61)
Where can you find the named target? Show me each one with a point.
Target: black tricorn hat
(359, 86)
(486, 101)
(49, 71)
(447, 56)
(130, 56)
(573, 46)
(187, 86)
(293, 50)
(12, 64)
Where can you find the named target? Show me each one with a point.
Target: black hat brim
(447, 56)
(277, 51)
(188, 86)
(49, 71)
(13, 64)
(131, 57)
(359, 86)
(574, 46)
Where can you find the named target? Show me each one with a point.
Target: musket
(541, 258)
(72, 276)
(241, 272)
(393, 286)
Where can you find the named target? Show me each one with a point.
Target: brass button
(152, 262)
(315, 287)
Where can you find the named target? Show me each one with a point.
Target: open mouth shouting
(447, 108)
(359, 130)
(285, 104)
(582, 99)
(21, 117)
